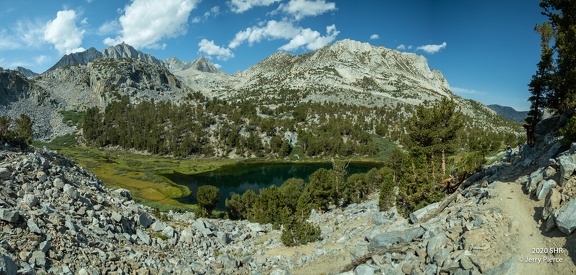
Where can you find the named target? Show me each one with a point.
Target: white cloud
(299, 37)
(84, 21)
(240, 6)
(211, 49)
(312, 40)
(146, 22)
(217, 65)
(466, 91)
(302, 8)
(110, 27)
(432, 49)
(41, 59)
(272, 30)
(63, 33)
(214, 11)
(374, 36)
(24, 34)
(401, 47)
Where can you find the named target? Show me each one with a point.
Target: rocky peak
(174, 64)
(78, 58)
(26, 72)
(204, 65)
(126, 51)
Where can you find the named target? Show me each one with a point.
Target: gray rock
(551, 202)
(380, 219)
(158, 225)
(125, 193)
(33, 227)
(435, 244)
(417, 215)
(38, 258)
(544, 188)
(222, 237)
(10, 216)
(566, 217)
(404, 235)
(466, 263)
(7, 265)
(360, 250)
(201, 227)
(255, 227)
(168, 232)
(364, 269)
(143, 236)
(45, 246)
(5, 174)
(567, 166)
(116, 217)
(506, 267)
(186, 236)
(534, 179)
(30, 200)
(145, 220)
(71, 191)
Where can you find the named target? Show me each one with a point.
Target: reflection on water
(239, 178)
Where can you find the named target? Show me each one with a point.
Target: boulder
(38, 258)
(567, 166)
(256, 227)
(145, 220)
(566, 217)
(417, 215)
(186, 236)
(403, 235)
(8, 215)
(551, 202)
(143, 236)
(534, 179)
(7, 265)
(5, 174)
(222, 237)
(168, 232)
(506, 267)
(158, 225)
(435, 244)
(544, 188)
(33, 227)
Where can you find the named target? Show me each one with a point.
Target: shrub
(207, 197)
(299, 232)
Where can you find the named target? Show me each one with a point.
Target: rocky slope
(59, 218)
(19, 95)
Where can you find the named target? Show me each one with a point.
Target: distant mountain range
(347, 71)
(509, 112)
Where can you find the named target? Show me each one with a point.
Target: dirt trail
(531, 248)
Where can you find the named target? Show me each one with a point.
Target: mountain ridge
(509, 112)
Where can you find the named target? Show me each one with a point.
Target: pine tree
(541, 84)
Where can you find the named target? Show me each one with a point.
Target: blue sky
(487, 50)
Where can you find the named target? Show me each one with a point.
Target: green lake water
(240, 177)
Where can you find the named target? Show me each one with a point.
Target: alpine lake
(240, 177)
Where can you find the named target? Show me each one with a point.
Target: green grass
(141, 174)
(72, 118)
